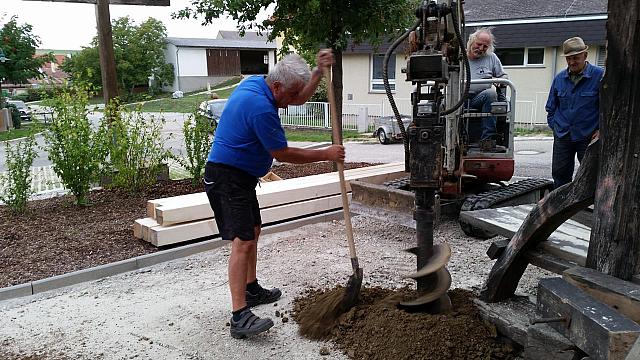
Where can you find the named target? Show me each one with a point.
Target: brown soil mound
(377, 329)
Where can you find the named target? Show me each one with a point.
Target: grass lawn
(24, 130)
(186, 104)
(316, 135)
(533, 132)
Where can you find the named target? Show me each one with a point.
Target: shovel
(352, 290)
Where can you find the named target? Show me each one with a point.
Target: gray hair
(474, 36)
(289, 71)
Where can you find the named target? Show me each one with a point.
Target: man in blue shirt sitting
(573, 110)
(248, 137)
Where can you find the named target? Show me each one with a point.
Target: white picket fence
(318, 114)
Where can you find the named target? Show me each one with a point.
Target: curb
(143, 261)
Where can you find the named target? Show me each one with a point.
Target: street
(532, 155)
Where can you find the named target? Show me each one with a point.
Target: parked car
(386, 128)
(25, 111)
(213, 109)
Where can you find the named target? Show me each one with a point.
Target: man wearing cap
(573, 109)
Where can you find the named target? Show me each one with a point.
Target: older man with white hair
(573, 109)
(484, 64)
(248, 137)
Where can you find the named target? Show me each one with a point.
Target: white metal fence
(361, 117)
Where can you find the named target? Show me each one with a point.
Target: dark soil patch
(377, 329)
(56, 237)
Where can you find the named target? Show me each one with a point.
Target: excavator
(449, 167)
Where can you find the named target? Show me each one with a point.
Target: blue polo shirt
(249, 129)
(574, 108)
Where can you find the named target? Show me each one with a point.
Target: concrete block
(80, 276)
(180, 252)
(15, 291)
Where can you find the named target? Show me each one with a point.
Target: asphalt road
(532, 155)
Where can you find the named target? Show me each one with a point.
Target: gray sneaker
(249, 325)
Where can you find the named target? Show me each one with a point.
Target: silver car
(25, 111)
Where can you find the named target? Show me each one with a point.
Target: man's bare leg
(242, 252)
(253, 258)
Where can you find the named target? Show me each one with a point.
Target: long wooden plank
(142, 225)
(161, 235)
(570, 241)
(273, 193)
(177, 201)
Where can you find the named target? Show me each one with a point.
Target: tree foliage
(310, 24)
(139, 53)
(19, 46)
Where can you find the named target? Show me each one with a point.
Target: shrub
(17, 179)
(15, 116)
(135, 147)
(75, 147)
(197, 131)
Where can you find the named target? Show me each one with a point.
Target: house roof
(486, 10)
(593, 32)
(248, 35)
(519, 23)
(220, 43)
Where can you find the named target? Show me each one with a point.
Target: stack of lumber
(182, 218)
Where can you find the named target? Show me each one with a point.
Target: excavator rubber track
(520, 192)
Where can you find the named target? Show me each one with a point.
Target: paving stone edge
(143, 261)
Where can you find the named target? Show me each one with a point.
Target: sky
(70, 26)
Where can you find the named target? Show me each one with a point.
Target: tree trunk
(615, 239)
(105, 47)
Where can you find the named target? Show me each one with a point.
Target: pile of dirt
(377, 329)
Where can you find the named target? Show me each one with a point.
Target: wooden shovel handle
(337, 140)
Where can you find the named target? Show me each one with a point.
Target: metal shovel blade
(352, 291)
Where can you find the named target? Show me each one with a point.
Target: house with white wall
(201, 62)
(529, 37)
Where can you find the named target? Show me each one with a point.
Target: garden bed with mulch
(56, 237)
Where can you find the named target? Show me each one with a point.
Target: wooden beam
(621, 295)
(554, 209)
(615, 241)
(161, 235)
(196, 206)
(594, 327)
(117, 2)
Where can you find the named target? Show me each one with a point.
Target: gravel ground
(180, 309)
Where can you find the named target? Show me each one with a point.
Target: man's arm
(552, 104)
(324, 59)
(302, 156)
(309, 89)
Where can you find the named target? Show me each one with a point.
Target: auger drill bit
(433, 279)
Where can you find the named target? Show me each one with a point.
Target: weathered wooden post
(105, 39)
(614, 247)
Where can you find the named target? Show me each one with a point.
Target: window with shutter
(602, 56)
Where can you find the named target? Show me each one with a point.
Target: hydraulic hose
(387, 87)
(467, 68)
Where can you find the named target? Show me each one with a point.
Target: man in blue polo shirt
(248, 137)
(573, 110)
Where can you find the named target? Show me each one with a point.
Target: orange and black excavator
(447, 161)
